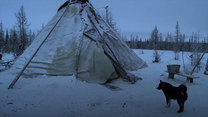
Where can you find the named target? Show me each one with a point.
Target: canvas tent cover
(77, 41)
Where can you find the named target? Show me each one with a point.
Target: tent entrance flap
(94, 65)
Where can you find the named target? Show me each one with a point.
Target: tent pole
(21, 72)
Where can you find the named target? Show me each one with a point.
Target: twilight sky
(131, 16)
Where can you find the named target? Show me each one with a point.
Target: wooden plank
(190, 78)
(186, 75)
(171, 76)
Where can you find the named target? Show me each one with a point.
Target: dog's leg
(183, 101)
(180, 106)
(168, 101)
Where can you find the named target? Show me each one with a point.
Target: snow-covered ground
(68, 97)
(6, 57)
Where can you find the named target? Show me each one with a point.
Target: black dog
(176, 93)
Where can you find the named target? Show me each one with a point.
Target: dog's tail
(183, 90)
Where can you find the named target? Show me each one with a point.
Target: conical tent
(77, 41)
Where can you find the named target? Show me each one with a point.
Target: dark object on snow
(176, 93)
(10, 103)
(0, 56)
(206, 68)
(173, 68)
(113, 88)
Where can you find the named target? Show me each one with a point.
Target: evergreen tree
(1, 37)
(6, 47)
(168, 42)
(155, 38)
(155, 44)
(161, 47)
(14, 41)
(133, 41)
(31, 37)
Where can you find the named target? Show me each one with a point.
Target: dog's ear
(161, 81)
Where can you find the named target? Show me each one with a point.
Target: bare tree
(109, 19)
(177, 42)
(157, 56)
(22, 26)
(196, 51)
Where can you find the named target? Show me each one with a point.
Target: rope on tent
(21, 72)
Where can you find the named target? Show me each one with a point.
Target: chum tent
(77, 41)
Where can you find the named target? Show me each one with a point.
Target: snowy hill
(67, 97)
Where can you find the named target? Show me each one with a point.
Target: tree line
(177, 42)
(17, 39)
